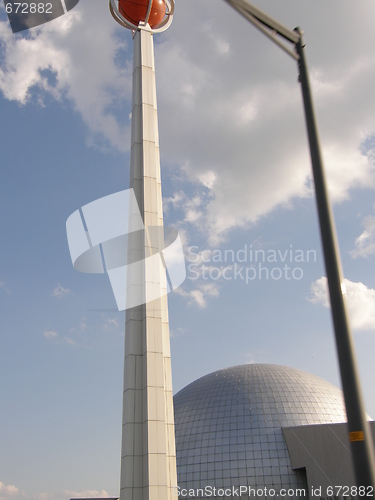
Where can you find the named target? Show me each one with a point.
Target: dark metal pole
(359, 432)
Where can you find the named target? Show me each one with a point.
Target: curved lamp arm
(267, 25)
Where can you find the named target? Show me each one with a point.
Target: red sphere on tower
(136, 11)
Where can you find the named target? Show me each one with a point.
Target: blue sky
(236, 175)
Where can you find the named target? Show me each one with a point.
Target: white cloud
(199, 295)
(193, 207)
(86, 494)
(360, 299)
(81, 327)
(193, 296)
(74, 57)
(10, 491)
(60, 291)
(230, 117)
(41, 496)
(66, 494)
(110, 324)
(215, 39)
(207, 179)
(50, 334)
(177, 332)
(244, 121)
(365, 243)
(347, 168)
(319, 292)
(24, 61)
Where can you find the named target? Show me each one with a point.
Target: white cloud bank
(230, 117)
(360, 299)
(199, 295)
(365, 243)
(74, 57)
(59, 291)
(10, 491)
(85, 494)
(237, 115)
(50, 334)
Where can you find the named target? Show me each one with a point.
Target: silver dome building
(229, 428)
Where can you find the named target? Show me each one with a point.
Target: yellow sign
(356, 436)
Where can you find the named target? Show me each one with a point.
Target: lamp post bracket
(265, 19)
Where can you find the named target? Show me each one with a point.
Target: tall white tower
(148, 456)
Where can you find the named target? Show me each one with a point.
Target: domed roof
(228, 425)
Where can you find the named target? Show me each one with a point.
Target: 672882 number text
(25, 8)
